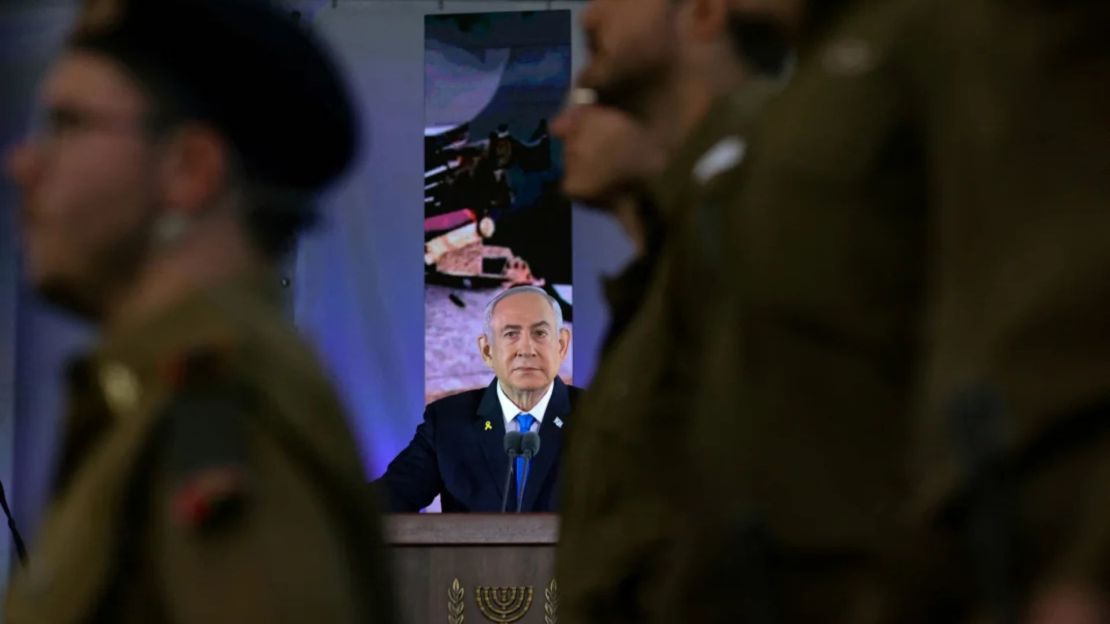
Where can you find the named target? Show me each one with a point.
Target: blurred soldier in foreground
(611, 163)
(207, 473)
(921, 269)
(641, 504)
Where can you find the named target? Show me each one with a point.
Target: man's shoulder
(465, 402)
(236, 353)
(234, 324)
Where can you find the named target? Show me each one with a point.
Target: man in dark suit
(458, 453)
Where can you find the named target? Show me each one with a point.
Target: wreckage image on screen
(494, 217)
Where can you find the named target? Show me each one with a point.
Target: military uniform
(920, 271)
(207, 472)
(208, 476)
(637, 485)
(1019, 302)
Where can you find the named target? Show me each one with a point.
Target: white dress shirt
(509, 409)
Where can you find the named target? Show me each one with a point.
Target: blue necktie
(524, 421)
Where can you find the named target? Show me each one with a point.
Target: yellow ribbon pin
(489, 426)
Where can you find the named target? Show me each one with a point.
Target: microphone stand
(530, 446)
(512, 449)
(20, 549)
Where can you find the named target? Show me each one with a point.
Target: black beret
(259, 77)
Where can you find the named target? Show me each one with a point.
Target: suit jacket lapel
(551, 438)
(492, 440)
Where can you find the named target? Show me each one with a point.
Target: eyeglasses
(55, 125)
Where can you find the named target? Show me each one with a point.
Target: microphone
(20, 549)
(529, 448)
(512, 449)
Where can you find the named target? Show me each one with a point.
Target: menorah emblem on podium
(503, 604)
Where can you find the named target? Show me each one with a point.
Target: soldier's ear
(707, 20)
(194, 168)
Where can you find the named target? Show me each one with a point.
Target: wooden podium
(475, 568)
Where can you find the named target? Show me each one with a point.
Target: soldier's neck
(626, 209)
(214, 251)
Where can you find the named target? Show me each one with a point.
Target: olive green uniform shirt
(923, 214)
(638, 487)
(207, 475)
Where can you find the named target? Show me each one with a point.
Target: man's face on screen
(525, 348)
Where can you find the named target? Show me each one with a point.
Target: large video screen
(493, 214)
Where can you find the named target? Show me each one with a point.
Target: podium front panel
(475, 568)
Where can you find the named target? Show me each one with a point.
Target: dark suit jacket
(455, 456)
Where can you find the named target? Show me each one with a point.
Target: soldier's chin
(590, 196)
(65, 296)
(592, 75)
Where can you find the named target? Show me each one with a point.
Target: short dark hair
(278, 163)
(761, 41)
(292, 77)
(273, 218)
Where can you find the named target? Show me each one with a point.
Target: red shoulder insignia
(196, 365)
(209, 497)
